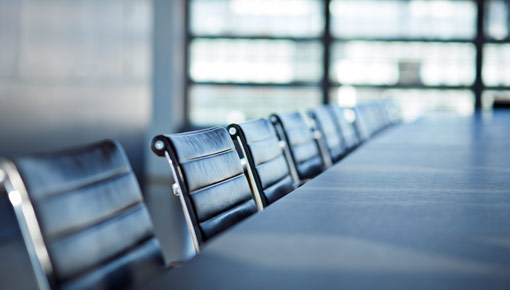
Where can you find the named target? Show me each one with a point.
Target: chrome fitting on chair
(244, 163)
(232, 131)
(159, 145)
(317, 134)
(176, 189)
(282, 144)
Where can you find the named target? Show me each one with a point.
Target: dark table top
(424, 205)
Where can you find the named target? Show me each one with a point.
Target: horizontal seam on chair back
(197, 190)
(62, 235)
(234, 205)
(110, 259)
(86, 182)
(207, 155)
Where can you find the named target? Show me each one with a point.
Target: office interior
(75, 72)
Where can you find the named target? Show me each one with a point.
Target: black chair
(265, 155)
(360, 123)
(303, 144)
(83, 218)
(346, 128)
(382, 111)
(330, 132)
(210, 181)
(389, 111)
(394, 112)
(374, 118)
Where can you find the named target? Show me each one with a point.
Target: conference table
(424, 205)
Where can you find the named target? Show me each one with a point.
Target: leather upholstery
(303, 147)
(363, 123)
(265, 156)
(382, 108)
(349, 134)
(213, 182)
(330, 132)
(94, 222)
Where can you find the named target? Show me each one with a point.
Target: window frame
(327, 40)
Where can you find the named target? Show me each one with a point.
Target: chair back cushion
(94, 222)
(303, 147)
(362, 122)
(212, 179)
(330, 132)
(265, 156)
(347, 130)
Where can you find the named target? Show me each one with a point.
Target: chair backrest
(346, 128)
(330, 132)
(304, 150)
(265, 155)
(361, 123)
(83, 218)
(393, 111)
(373, 118)
(382, 109)
(213, 188)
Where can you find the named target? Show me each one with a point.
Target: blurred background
(77, 71)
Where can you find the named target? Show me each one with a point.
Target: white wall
(73, 72)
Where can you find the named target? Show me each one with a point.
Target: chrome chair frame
(317, 136)
(235, 134)
(159, 145)
(286, 150)
(10, 180)
(247, 167)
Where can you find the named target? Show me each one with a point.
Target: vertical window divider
(478, 85)
(327, 41)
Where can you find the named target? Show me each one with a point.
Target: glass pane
(291, 18)
(221, 105)
(409, 63)
(258, 61)
(496, 65)
(413, 103)
(396, 19)
(497, 19)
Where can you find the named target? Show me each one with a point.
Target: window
(250, 58)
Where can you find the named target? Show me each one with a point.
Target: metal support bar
(10, 179)
(323, 150)
(286, 152)
(185, 208)
(251, 178)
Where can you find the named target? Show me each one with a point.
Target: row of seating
(82, 214)
(217, 191)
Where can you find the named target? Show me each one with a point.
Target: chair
(83, 218)
(330, 132)
(390, 111)
(362, 123)
(304, 149)
(376, 118)
(346, 128)
(274, 175)
(394, 112)
(209, 180)
(383, 113)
